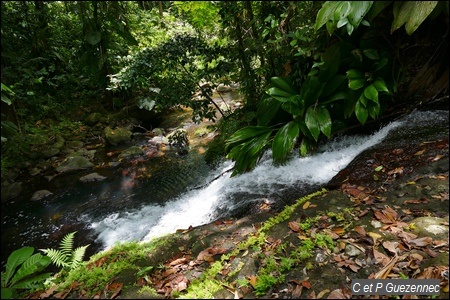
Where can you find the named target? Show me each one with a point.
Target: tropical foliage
(24, 272)
(351, 79)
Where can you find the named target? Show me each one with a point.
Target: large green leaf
(312, 123)
(358, 11)
(356, 84)
(33, 264)
(413, 13)
(361, 112)
(326, 13)
(283, 141)
(279, 94)
(15, 259)
(246, 133)
(371, 93)
(324, 120)
(380, 85)
(355, 74)
(311, 90)
(283, 83)
(267, 108)
(373, 109)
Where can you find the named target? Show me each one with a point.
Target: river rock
(40, 195)
(49, 152)
(93, 119)
(10, 190)
(92, 177)
(74, 163)
(117, 135)
(430, 226)
(75, 145)
(134, 150)
(59, 144)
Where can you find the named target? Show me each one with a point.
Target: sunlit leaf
(312, 123)
(324, 120)
(284, 140)
(361, 113)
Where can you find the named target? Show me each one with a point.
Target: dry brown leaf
(420, 242)
(374, 236)
(336, 294)
(360, 230)
(380, 258)
(252, 280)
(320, 295)
(420, 152)
(294, 226)
(116, 287)
(306, 284)
(383, 273)
(297, 292)
(178, 261)
(391, 246)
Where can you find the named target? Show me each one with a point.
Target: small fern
(65, 257)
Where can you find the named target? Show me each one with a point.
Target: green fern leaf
(66, 244)
(77, 256)
(58, 257)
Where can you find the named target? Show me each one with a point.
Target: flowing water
(177, 192)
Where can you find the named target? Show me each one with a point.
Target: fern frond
(77, 255)
(66, 244)
(58, 257)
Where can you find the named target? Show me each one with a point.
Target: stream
(176, 192)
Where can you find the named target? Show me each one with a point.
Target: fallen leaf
(297, 292)
(360, 230)
(420, 242)
(294, 226)
(420, 152)
(306, 204)
(306, 284)
(252, 280)
(383, 273)
(374, 236)
(391, 246)
(336, 294)
(178, 261)
(320, 295)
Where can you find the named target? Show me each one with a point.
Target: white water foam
(198, 207)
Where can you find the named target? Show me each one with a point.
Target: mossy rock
(93, 118)
(117, 135)
(132, 151)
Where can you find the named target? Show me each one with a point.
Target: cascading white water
(200, 206)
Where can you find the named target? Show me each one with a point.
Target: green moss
(324, 241)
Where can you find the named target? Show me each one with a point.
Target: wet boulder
(117, 135)
(41, 194)
(10, 190)
(92, 177)
(132, 151)
(74, 163)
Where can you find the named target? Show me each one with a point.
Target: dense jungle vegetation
(306, 69)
